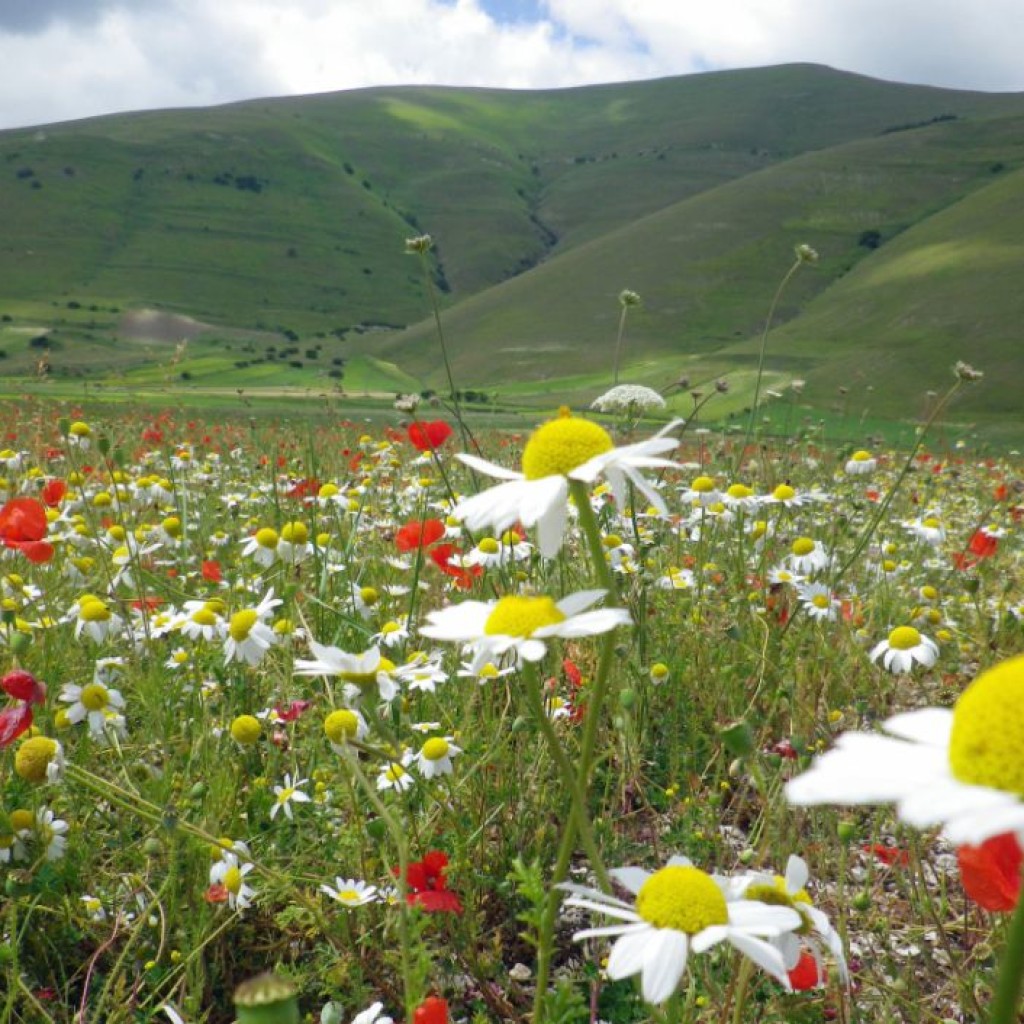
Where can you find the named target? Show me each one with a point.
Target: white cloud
(140, 54)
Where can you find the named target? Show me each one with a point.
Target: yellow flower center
(489, 671)
(94, 697)
(394, 772)
(489, 546)
(903, 638)
(79, 429)
(739, 491)
(510, 538)
(929, 593)
(368, 595)
(522, 616)
(341, 725)
(931, 522)
(172, 526)
(683, 898)
(774, 894)
(820, 601)
(861, 456)
(266, 538)
(703, 485)
(33, 758)
(93, 610)
(560, 446)
(803, 546)
(988, 730)
(245, 729)
(390, 627)
(363, 679)
(21, 819)
(233, 880)
(783, 492)
(241, 624)
(612, 541)
(295, 533)
(435, 748)
(204, 616)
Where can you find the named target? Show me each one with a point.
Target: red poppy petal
(991, 872)
(22, 519)
(433, 1010)
(13, 722)
(23, 685)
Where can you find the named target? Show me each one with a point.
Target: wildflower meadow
(619, 718)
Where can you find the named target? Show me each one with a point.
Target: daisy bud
(738, 739)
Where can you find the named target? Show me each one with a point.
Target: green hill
(279, 226)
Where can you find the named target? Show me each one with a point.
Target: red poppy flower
(23, 685)
(443, 556)
(806, 975)
(982, 544)
(305, 488)
(991, 872)
(14, 721)
(419, 534)
(572, 673)
(433, 1010)
(891, 856)
(217, 893)
(427, 887)
(428, 436)
(293, 710)
(211, 572)
(23, 527)
(963, 561)
(52, 493)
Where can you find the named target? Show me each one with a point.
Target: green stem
(569, 776)
(760, 361)
(618, 344)
(1011, 972)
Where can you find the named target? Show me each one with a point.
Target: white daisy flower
(362, 670)
(249, 636)
(521, 624)
(435, 757)
(928, 528)
(791, 891)
(961, 769)
(286, 795)
(261, 547)
(351, 892)
(52, 833)
(818, 601)
(92, 702)
(343, 725)
(230, 873)
(678, 910)
(483, 674)
(786, 496)
(94, 618)
(861, 463)
(565, 448)
(393, 632)
(393, 775)
(701, 492)
(807, 556)
(904, 648)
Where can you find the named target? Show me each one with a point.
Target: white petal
(578, 602)
(931, 726)
(708, 937)
(603, 620)
(796, 873)
(463, 621)
(984, 823)
(761, 918)
(610, 929)
(488, 468)
(667, 953)
(628, 955)
(551, 522)
(630, 878)
(531, 650)
(763, 954)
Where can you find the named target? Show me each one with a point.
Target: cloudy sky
(64, 59)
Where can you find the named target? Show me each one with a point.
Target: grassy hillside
(279, 226)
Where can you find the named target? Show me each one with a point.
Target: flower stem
(1011, 972)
